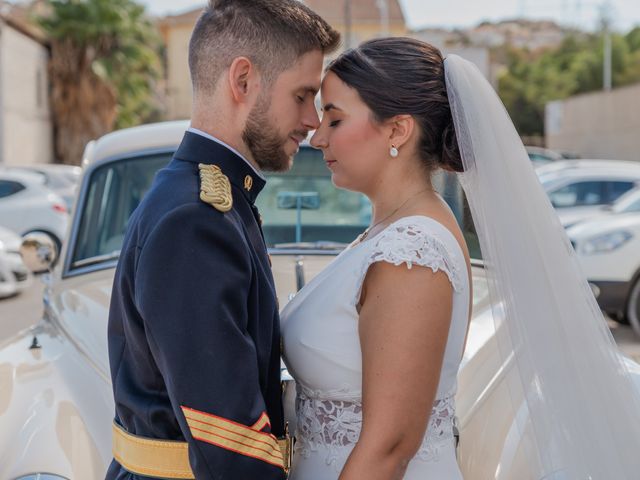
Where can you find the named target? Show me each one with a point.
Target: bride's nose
(318, 140)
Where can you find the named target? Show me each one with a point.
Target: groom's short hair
(273, 34)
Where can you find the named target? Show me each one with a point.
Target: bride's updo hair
(404, 76)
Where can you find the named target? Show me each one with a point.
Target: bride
(374, 341)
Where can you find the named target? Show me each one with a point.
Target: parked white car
(56, 403)
(27, 205)
(542, 156)
(14, 276)
(61, 179)
(578, 189)
(608, 248)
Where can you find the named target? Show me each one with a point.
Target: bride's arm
(404, 324)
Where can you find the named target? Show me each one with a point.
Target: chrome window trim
(67, 270)
(41, 476)
(303, 252)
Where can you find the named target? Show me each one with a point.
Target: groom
(194, 342)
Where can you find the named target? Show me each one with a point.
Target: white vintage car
(56, 404)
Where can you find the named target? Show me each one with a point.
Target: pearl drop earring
(393, 151)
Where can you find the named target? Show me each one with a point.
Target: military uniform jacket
(194, 341)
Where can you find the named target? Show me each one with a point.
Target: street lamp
(383, 6)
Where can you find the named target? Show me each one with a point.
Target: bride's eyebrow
(331, 106)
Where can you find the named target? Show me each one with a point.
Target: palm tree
(104, 62)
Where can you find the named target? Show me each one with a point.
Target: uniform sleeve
(192, 280)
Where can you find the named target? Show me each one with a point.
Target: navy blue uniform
(194, 341)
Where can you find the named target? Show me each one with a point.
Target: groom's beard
(263, 140)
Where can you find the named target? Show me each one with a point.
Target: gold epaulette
(215, 188)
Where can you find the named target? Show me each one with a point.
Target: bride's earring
(393, 151)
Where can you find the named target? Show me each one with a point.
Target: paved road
(24, 310)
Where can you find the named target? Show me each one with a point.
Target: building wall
(597, 125)
(179, 89)
(176, 32)
(27, 133)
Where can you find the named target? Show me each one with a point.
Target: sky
(624, 14)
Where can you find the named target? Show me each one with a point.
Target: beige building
(360, 20)
(176, 31)
(367, 19)
(26, 131)
(596, 125)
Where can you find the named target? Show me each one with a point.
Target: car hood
(574, 216)
(604, 224)
(57, 410)
(571, 216)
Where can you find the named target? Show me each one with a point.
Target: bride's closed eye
(334, 123)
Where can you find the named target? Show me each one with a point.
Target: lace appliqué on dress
(335, 425)
(413, 245)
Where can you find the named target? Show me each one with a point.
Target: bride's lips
(329, 162)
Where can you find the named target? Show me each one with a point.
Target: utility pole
(347, 23)
(383, 7)
(605, 20)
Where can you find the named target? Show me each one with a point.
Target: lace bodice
(336, 424)
(322, 349)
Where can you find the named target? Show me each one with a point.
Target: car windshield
(300, 208)
(303, 206)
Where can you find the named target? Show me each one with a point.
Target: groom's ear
(401, 129)
(243, 80)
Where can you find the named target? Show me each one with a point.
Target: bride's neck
(393, 196)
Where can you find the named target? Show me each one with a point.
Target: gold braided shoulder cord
(215, 188)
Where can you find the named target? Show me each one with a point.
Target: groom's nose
(310, 118)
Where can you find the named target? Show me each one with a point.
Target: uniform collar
(216, 139)
(198, 148)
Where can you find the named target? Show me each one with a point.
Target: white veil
(583, 408)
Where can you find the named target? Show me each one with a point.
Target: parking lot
(22, 311)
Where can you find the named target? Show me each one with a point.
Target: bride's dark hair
(398, 75)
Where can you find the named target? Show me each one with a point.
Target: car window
(8, 188)
(616, 188)
(114, 192)
(579, 194)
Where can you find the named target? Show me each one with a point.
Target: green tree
(531, 80)
(103, 68)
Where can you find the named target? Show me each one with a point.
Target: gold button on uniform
(248, 183)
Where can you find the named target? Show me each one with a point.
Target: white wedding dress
(322, 351)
